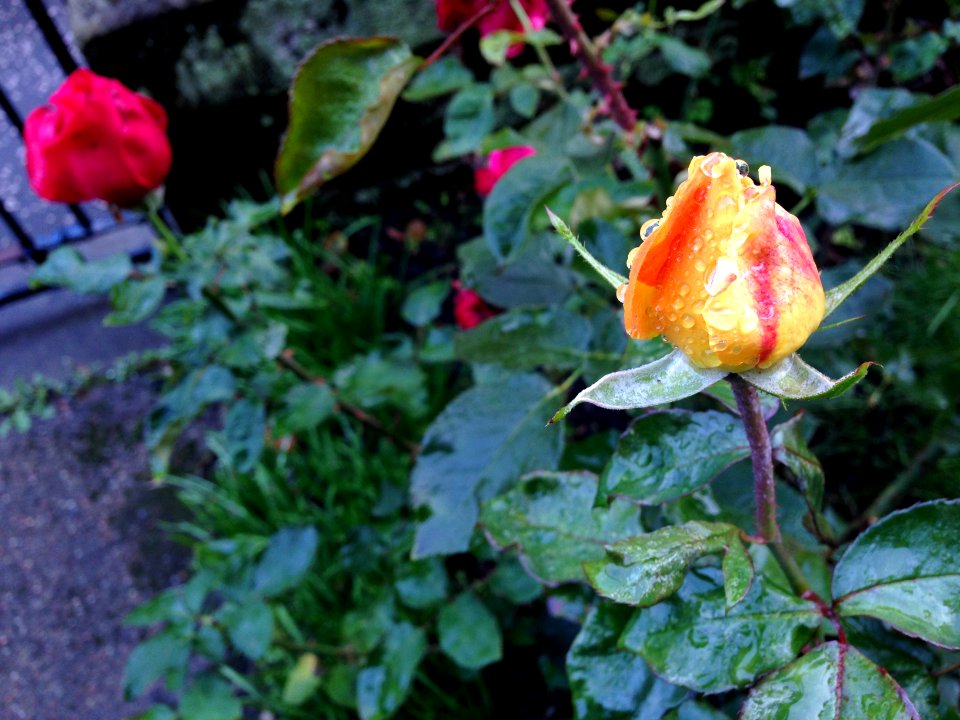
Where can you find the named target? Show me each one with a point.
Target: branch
(600, 73)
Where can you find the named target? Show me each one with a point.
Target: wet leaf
(692, 639)
(135, 300)
(469, 119)
(608, 683)
(210, 698)
(941, 108)
(833, 681)
(836, 296)
(790, 450)
(250, 627)
(340, 99)
(481, 444)
(793, 379)
(445, 76)
(382, 688)
(516, 199)
(525, 338)
(423, 305)
(422, 584)
(905, 570)
(665, 455)
(666, 380)
(164, 655)
(787, 150)
(66, 267)
(286, 560)
(551, 519)
(647, 569)
(469, 633)
(887, 188)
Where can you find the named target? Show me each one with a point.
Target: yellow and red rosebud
(725, 274)
(496, 164)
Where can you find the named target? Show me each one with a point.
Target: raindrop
(646, 230)
(687, 321)
(622, 292)
(743, 168)
(684, 290)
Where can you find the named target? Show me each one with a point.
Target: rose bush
(451, 13)
(96, 139)
(725, 274)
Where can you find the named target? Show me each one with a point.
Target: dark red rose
(97, 139)
(469, 309)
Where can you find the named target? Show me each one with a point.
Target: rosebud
(496, 165)
(469, 309)
(725, 274)
(96, 139)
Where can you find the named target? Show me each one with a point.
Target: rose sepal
(793, 379)
(666, 380)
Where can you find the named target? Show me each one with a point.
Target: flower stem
(761, 453)
(601, 74)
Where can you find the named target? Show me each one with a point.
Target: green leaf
(836, 296)
(647, 569)
(306, 406)
(832, 681)
(157, 712)
(481, 444)
(445, 76)
(684, 59)
(512, 582)
(243, 432)
(666, 380)
(340, 99)
(423, 305)
(286, 560)
(551, 519)
(944, 107)
(525, 338)
(615, 279)
(788, 151)
(888, 187)
(381, 689)
(302, 682)
(469, 119)
(665, 455)
(380, 379)
(524, 98)
(519, 195)
(914, 56)
(250, 627)
(65, 267)
(693, 639)
(905, 570)
(422, 584)
(164, 655)
(133, 301)
(469, 633)
(210, 698)
(608, 683)
(793, 379)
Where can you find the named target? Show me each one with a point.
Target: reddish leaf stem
(601, 73)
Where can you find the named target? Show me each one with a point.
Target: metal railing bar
(52, 35)
(10, 111)
(23, 238)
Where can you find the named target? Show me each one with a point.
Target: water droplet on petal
(684, 290)
(721, 277)
(621, 291)
(630, 257)
(687, 321)
(646, 230)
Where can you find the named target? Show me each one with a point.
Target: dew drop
(700, 265)
(678, 304)
(708, 235)
(687, 321)
(721, 345)
(646, 230)
(622, 292)
(672, 317)
(630, 257)
(684, 290)
(736, 349)
(676, 328)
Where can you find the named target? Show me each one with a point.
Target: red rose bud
(453, 13)
(496, 165)
(469, 309)
(96, 139)
(725, 274)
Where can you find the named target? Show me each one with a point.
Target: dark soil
(80, 547)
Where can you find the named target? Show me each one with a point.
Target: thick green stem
(761, 453)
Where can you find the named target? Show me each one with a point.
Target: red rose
(452, 13)
(96, 139)
(497, 164)
(469, 309)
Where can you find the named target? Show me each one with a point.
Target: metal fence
(36, 54)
